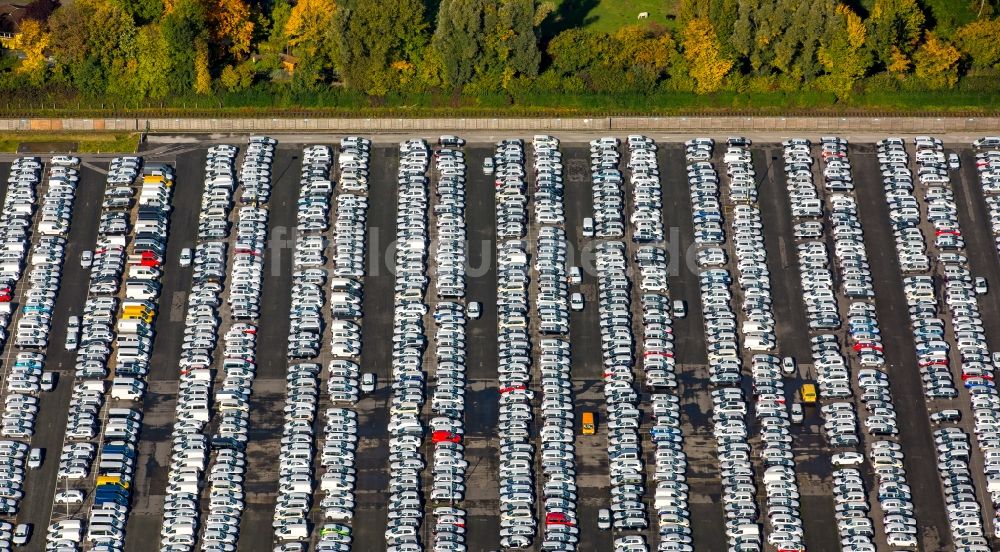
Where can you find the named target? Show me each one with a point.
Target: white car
(604, 519)
(69, 496)
(575, 275)
(576, 302)
(86, 258)
(186, 257)
(981, 285)
(788, 366)
(848, 459)
(65, 160)
(475, 310)
(368, 382)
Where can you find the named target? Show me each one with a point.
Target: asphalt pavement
(269, 392)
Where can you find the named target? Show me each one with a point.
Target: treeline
(146, 51)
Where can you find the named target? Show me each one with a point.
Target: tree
(844, 55)
(372, 37)
(32, 41)
(936, 62)
(152, 64)
(895, 24)
(517, 46)
(143, 11)
(203, 78)
(230, 26)
(491, 42)
(981, 41)
(310, 25)
(701, 50)
(183, 27)
(458, 39)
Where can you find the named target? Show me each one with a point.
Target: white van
(143, 273)
(292, 532)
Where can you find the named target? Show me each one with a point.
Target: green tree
(309, 30)
(143, 11)
(894, 29)
(936, 62)
(981, 40)
(517, 46)
(491, 42)
(843, 54)
(377, 41)
(153, 64)
(183, 27)
(458, 39)
(202, 75)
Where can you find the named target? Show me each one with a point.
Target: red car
(445, 436)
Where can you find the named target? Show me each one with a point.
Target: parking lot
(504, 411)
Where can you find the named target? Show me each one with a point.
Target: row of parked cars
(550, 258)
(852, 511)
(305, 331)
(975, 361)
(558, 452)
(754, 277)
(647, 197)
(124, 327)
(548, 196)
(984, 403)
(863, 331)
(296, 455)
(255, 172)
(904, 211)
(405, 501)
(189, 442)
(447, 427)
(518, 525)
(625, 459)
(706, 209)
(23, 376)
(608, 184)
(509, 178)
(246, 272)
(780, 485)
(849, 247)
(118, 453)
(346, 288)
(449, 254)
(15, 233)
(671, 495)
(802, 191)
(740, 170)
(227, 473)
(729, 408)
(928, 327)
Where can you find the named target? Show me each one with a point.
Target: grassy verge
(97, 142)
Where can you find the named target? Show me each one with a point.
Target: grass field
(609, 15)
(97, 142)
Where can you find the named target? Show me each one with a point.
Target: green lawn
(608, 15)
(97, 142)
